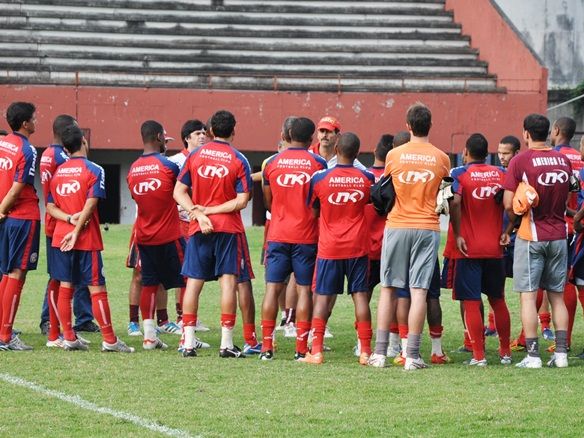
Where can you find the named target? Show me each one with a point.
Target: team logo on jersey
(553, 177)
(68, 188)
(416, 176)
(213, 171)
(343, 198)
(46, 176)
(149, 185)
(6, 163)
(293, 179)
(486, 192)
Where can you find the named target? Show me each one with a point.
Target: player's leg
(247, 307)
(290, 303)
(434, 319)
(357, 273)
(545, 317)
(303, 259)
(134, 303)
(493, 285)
(403, 303)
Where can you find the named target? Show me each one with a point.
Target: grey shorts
(408, 257)
(540, 265)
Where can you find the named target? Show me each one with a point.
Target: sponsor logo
(293, 162)
(9, 146)
(46, 176)
(486, 192)
(145, 168)
(213, 171)
(216, 154)
(149, 185)
(68, 188)
(416, 176)
(343, 198)
(347, 180)
(6, 163)
(293, 179)
(46, 159)
(556, 176)
(64, 170)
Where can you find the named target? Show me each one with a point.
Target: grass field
(211, 397)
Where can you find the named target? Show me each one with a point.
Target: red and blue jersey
(73, 184)
(481, 219)
(577, 166)
(375, 222)
(288, 174)
(151, 181)
(18, 164)
(342, 194)
(51, 158)
(216, 172)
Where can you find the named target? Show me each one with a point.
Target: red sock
(364, 333)
(467, 343)
(393, 327)
(189, 319)
(228, 320)
(302, 330)
(545, 319)
(491, 320)
(64, 307)
(268, 327)
(101, 312)
(10, 301)
(475, 327)
(435, 331)
(2, 287)
(52, 300)
(521, 338)
(249, 334)
(148, 301)
(581, 298)
(571, 300)
(318, 325)
(502, 324)
(403, 331)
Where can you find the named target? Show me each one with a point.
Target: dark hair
(223, 124)
(3, 132)
(287, 126)
(513, 141)
(18, 113)
(567, 127)
(402, 137)
(151, 130)
(384, 145)
(538, 126)
(60, 123)
(189, 127)
(419, 118)
(302, 130)
(72, 138)
(477, 146)
(348, 145)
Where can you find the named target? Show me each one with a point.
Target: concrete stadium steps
(297, 45)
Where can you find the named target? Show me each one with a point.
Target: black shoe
(283, 322)
(267, 355)
(88, 327)
(231, 352)
(299, 356)
(44, 326)
(191, 352)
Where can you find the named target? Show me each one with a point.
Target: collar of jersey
(77, 158)
(476, 162)
(296, 149)
(151, 153)
(220, 142)
(20, 135)
(344, 165)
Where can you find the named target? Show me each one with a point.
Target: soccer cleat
(364, 358)
(57, 343)
(490, 332)
(154, 344)
(266, 355)
(516, 346)
(3, 346)
(462, 349)
(200, 327)
(88, 327)
(248, 349)
(548, 334)
(440, 359)
(393, 350)
(16, 344)
(529, 362)
(77, 344)
(231, 352)
(290, 330)
(44, 326)
(414, 364)
(119, 347)
(189, 352)
(476, 363)
(298, 356)
(200, 344)
(558, 360)
(315, 359)
(376, 360)
(505, 360)
(134, 329)
(170, 327)
(327, 333)
(280, 327)
(16, 332)
(399, 360)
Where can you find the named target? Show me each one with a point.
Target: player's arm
(183, 198)
(455, 219)
(231, 206)
(82, 220)
(60, 215)
(10, 199)
(256, 176)
(508, 205)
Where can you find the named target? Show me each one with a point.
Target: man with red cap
(328, 131)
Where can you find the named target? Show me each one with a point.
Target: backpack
(383, 195)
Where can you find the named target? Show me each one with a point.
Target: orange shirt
(416, 170)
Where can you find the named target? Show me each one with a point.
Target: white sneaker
(393, 350)
(376, 361)
(154, 344)
(476, 363)
(290, 330)
(170, 327)
(77, 344)
(119, 347)
(57, 343)
(414, 364)
(505, 360)
(200, 344)
(134, 329)
(529, 362)
(83, 340)
(200, 327)
(327, 332)
(558, 360)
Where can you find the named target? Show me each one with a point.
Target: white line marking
(84, 404)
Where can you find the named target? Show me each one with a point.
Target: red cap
(329, 123)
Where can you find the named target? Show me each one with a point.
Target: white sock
(437, 346)
(149, 329)
(189, 332)
(226, 337)
(404, 343)
(393, 341)
(284, 314)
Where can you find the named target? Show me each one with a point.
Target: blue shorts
(508, 260)
(374, 274)
(433, 290)
(19, 244)
(209, 256)
(50, 256)
(246, 271)
(475, 276)
(284, 258)
(161, 264)
(447, 276)
(82, 268)
(330, 275)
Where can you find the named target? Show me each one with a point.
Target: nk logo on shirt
(46, 176)
(292, 179)
(68, 188)
(213, 171)
(486, 192)
(557, 176)
(416, 176)
(343, 198)
(5, 163)
(144, 187)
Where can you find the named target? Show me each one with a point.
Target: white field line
(84, 404)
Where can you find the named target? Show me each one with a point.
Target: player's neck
(151, 149)
(414, 139)
(378, 163)
(79, 154)
(344, 161)
(327, 153)
(538, 145)
(224, 140)
(298, 145)
(562, 142)
(23, 132)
